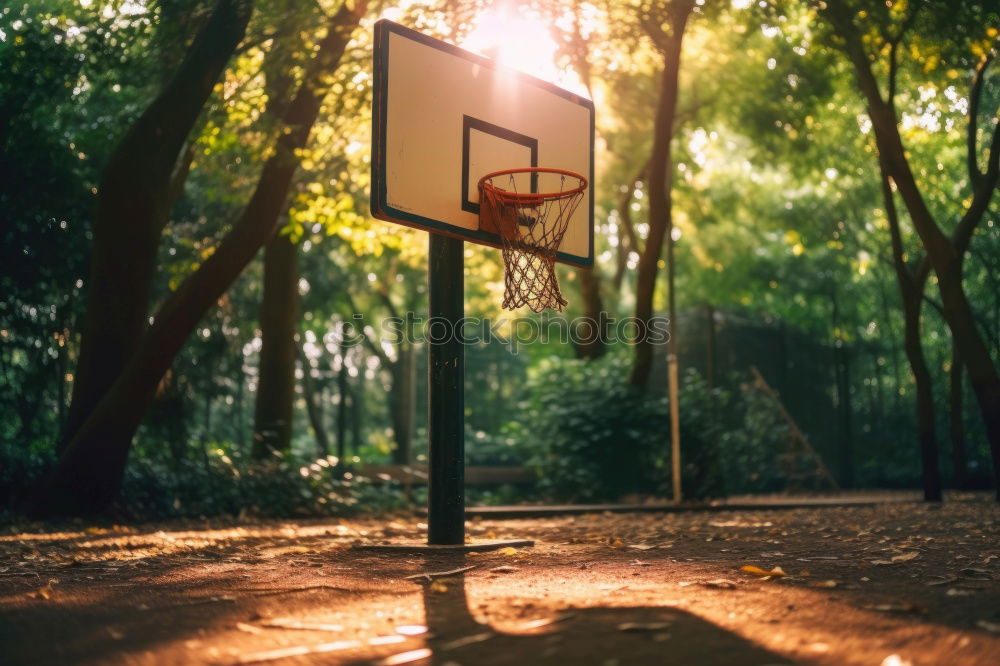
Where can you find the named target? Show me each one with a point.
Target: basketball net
(531, 226)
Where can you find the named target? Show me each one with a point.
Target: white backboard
(443, 117)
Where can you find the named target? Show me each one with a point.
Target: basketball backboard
(443, 117)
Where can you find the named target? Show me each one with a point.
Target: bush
(285, 486)
(592, 436)
(20, 466)
(156, 488)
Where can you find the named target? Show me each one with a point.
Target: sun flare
(521, 43)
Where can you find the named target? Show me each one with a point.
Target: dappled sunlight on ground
(824, 585)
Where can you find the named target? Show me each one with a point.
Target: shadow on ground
(596, 635)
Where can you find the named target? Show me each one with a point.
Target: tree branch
(975, 93)
(984, 183)
(374, 348)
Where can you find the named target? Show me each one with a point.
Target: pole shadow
(600, 636)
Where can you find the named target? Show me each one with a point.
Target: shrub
(286, 485)
(592, 436)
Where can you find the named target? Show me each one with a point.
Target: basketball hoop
(531, 225)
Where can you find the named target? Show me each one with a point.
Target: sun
(523, 43)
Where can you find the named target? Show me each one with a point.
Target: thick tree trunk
(133, 204)
(88, 475)
(944, 254)
(659, 190)
(279, 316)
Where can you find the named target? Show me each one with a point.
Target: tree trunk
(401, 403)
(342, 397)
(926, 433)
(944, 254)
(592, 335)
(133, 204)
(279, 313)
(314, 406)
(911, 290)
(88, 475)
(709, 345)
(659, 190)
(841, 369)
(357, 392)
(957, 426)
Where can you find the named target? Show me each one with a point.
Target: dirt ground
(887, 585)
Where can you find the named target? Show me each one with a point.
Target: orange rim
(531, 197)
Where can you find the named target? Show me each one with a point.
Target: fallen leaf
(989, 626)
(720, 583)
(976, 574)
(757, 571)
(411, 629)
(292, 623)
(466, 640)
(438, 587)
(642, 546)
(906, 557)
(643, 626)
(959, 592)
(544, 622)
(824, 583)
(504, 569)
(903, 607)
(944, 580)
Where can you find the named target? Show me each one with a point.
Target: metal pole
(675, 426)
(446, 388)
(673, 388)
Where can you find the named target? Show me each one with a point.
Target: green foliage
(776, 199)
(594, 437)
(218, 484)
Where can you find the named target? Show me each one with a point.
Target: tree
(279, 317)
(136, 192)
(665, 25)
(944, 253)
(88, 475)
(911, 280)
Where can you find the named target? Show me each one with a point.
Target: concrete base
(426, 548)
